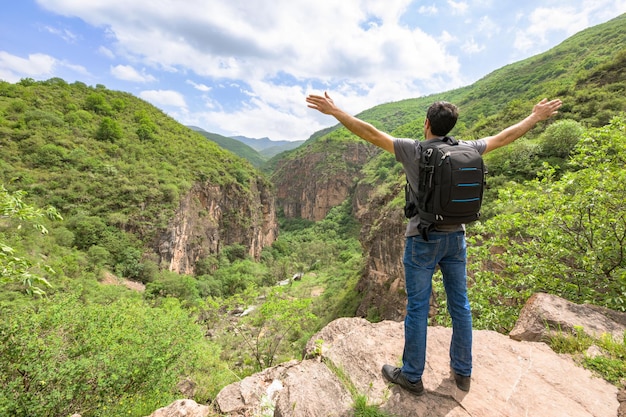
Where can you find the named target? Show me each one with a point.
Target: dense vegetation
(89, 176)
(114, 166)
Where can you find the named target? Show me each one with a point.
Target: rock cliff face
(382, 238)
(319, 178)
(211, 217)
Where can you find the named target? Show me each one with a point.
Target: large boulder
(544, 315)
(182, 408)
(510, 378)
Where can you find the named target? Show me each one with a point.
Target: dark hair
(442, 116)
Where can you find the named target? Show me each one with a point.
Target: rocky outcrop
(182, 408)
(510, 378)
(319, 177)
(211, 217)
(382, 239)
(545, 315)
(383, 225)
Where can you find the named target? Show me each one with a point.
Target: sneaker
(462, 382)
(395, 375)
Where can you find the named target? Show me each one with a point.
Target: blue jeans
(448, 250)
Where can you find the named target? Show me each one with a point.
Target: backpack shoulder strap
(450, 140)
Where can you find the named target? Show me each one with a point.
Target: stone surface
(201, 225)
(183, 408)
(546, 314)
(510, 378)
(246, 397)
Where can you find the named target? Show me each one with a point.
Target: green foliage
(270, 331)
(109, 130)
(97, 103)
(560, 138)
(519, 161)
(16, 267)
(236, 147)
(577, 342)
(169, 284)
(610, 364)
(565, 236)
(362, 408)
(68, 357)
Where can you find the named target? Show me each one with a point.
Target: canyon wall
(211, 217)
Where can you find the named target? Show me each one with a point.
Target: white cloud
(488, 27)
(128, 73)
(65, 34)
(458, 7)
(79, 69)
(428, 10)
(446, 37)
(165, 98)
(567, 19)
(13, 68)
(470, 46)
(324, 40)
(199, 86)
(104, 51)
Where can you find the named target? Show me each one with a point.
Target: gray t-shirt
(407, 153)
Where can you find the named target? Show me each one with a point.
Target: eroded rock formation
(211, 217)
(309, 185)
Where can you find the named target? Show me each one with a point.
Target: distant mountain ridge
(264, 144)
(257, 151)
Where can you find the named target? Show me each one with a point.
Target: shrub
(560, 138)
(109, 130)
(67, 357)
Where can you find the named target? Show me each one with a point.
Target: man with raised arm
(445, 246)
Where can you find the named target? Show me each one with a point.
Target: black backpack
(451, 185)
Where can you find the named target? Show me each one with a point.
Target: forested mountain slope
(137, 190)
(235, 146)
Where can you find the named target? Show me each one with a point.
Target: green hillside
(113, 165)
(236, 147)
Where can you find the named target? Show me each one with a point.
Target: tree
(109, 130)
(278, 321)
(16, 267)
(560, 138)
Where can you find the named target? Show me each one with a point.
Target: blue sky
(244, 67)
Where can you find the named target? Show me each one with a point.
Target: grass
(610, 364)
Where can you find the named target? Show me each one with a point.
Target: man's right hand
(323, 103)
(546, 109)
(360, 128)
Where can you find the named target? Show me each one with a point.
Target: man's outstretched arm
(541, 111)
(360, 128)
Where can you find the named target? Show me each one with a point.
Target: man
(445, 246)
